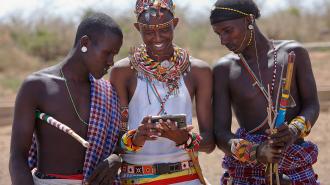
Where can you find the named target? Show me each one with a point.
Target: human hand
(283, 137)
(145, 131)
(170, 130)
(106, 171)
(267, 153)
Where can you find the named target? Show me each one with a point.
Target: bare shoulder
(37, 84)
(225, 63)
(121, 71)
(199, 64)
(292, 45)
(122, 67)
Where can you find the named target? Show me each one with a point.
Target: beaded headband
(231, 9)
(153, 6)
(156, 26)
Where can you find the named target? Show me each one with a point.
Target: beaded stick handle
(52, 121)
(285, 91)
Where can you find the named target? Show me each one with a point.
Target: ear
(137, 27)
(175, 22)
(251, 19)
(84, 41)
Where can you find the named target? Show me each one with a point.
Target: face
(158, 40)
(101, 54)
(233, 34)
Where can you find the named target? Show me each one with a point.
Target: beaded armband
(244, 151)
(192, 143)
(126, 142)
(299, 123)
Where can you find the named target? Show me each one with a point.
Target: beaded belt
(41, 175)
(156, 169)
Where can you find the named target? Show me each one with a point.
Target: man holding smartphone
(158, 79)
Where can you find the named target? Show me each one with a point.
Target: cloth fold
(296, 163)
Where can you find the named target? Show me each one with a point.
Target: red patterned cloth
(296, 163)
(103, 128)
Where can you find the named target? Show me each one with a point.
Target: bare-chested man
(73, 93)
(160, 78)
(243, 87)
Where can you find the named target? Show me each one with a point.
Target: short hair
(95, 25)
(224, 10)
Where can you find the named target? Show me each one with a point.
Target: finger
(189, 128)
(282, 127)
(94, 175)
(278, 145)
(100, 179)
(171, 125)
(164, 126)
(285, 139)
(146, 119)
(267, 131)
(280, 134)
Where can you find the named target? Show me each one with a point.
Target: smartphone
(179, 118)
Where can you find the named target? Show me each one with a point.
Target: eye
(228, 30)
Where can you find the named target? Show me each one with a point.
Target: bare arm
(203, 79)
(222, 108)
(22, 131)
(306, 86)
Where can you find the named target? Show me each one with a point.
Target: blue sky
(73, 9)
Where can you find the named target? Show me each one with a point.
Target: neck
(73, 67)
(259, 41)
(161, 57)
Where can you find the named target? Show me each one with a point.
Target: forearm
(224, 141)
(310, 111)
(208, 144)
(20, 172)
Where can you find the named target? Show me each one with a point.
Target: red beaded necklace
(153, 70)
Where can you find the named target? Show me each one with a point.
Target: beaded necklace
(73, 104)
(168, 72)
(260, 85)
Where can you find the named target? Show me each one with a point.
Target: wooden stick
(197, 167)
(52, 121)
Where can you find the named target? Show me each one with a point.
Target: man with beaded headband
(72, 92)
(240, 80)
(160, 78)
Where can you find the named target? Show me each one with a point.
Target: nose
(224, 39)
(110, 61)
(157, 36)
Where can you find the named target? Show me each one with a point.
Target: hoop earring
(250, 27)
(84, 49)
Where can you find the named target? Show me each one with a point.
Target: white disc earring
(84, 49)
(250, 27)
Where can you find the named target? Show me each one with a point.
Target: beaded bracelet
(127, 144)
(192, 143)
(244, 151)
(302, 125)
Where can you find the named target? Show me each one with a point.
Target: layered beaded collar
(164, 71)
(168, 72)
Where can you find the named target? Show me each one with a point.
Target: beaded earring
(84, 49)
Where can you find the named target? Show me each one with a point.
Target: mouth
(159, 45)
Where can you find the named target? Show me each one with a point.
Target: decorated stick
(285, 91)
(52, 121)
(198, 168)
